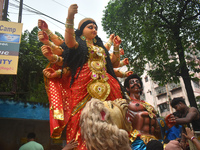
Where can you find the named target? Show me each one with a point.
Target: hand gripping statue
(86, 71)
(141, 114)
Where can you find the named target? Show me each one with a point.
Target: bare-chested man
(187, 114)
(141, 114)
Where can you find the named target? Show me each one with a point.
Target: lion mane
(98, 130)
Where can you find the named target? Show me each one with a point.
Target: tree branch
(193, 17)
(181, 13)
(160, 14)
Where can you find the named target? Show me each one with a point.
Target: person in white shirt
(31, 144)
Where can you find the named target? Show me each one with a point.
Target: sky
(58, 9)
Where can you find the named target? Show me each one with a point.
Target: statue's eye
(137, 81)
(137, 104)
(91, 27)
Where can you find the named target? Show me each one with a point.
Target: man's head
(178, 104)
(132, 81)
(31, 136)
(154, 144)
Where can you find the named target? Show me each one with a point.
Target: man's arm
(190, 136)
(190, 116)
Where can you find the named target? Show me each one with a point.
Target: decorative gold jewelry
(134, 135)
(83, 37)
(89, 41)
(49, 33)
(58, 72)
(69, 26)
(56, 59)
(121, 63)
(71, 21)
(98, 88)
(115, 52)
(94, 40)
(52, 45)
(110, 42)
(123, 74)
(80, 105)
(148, 107)
(144, 138)
(59, 59)
(147, 138)
(116, 48)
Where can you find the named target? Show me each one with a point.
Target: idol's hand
(46, 51)
(128, 73)
(111, 38)
(43, 37)
(117, 41)
(121, 51)
(125, 61)
(170, 120)
(73, 9)
(131, 116)
(50, 73)
(42, 25)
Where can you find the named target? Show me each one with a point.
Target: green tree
(31, 64)
(29, 80)
(162, 32)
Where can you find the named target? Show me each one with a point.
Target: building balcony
(161, 90)
(174, 86)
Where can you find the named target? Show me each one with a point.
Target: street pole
(20, 11)
(5, 10)
(1, 8)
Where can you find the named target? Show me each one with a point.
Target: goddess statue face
(90, 31)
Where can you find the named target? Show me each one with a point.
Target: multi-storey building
(160, 96)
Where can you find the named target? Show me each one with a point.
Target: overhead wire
(38, 12)
(35, 11)
(68, 7)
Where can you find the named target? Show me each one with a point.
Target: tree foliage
(159, 32)
(29, 80)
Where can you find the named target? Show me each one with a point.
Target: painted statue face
(134, 86)
(90, 31)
